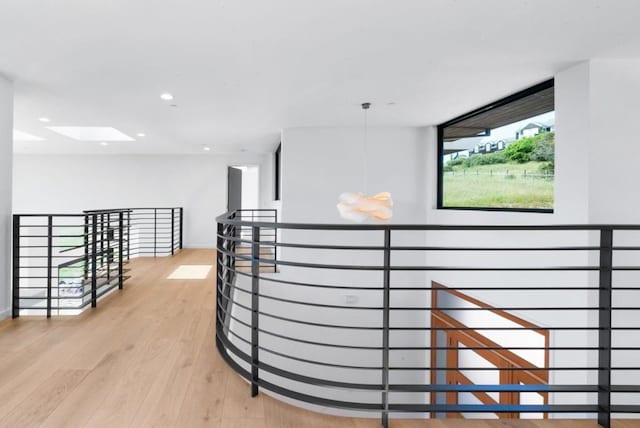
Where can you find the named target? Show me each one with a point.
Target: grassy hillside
(507, 185)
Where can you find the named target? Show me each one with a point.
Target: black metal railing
(152, 231)
(241, 237)
(64, 262)
(436, 321)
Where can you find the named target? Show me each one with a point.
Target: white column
(6, 169)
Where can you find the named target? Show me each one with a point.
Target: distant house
(491, 146)
(461, 148)
(466, 147)
(534, 128)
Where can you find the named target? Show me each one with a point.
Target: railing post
(275, 241)
(604, 324)
(15, 313)
(385, 327)
(255, 306)
(128, 235)
(101, 240)
(109, 238)
(94, 260)
(173, 229)
(120, 249)
(49, 262)
(86, 247)
(155, 231)
(181, 223)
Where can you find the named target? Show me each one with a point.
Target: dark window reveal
(500, 156)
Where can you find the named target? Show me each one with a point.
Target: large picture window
(500, 156)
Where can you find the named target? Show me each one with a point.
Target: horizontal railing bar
(49, 215)
(422, 368)
(379, 288)
(625, 408)
(488, 249)
(307, 246)
(223, 219)
(510, 348)
(415, 248)
(414, 268)
(46, 226)
(494, 408)
(491, 388)
(132, 209)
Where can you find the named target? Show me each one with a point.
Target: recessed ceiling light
(206, 149)
(91, 133)
(23, 136)
(44, 119)
(166, 96)
(141, 134)
(104, 143)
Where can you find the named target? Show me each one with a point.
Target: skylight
(91, 133)
(24, 136)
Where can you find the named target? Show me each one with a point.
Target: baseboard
(5, 313)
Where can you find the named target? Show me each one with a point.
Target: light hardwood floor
(146, 357)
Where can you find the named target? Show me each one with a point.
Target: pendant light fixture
(358, 206)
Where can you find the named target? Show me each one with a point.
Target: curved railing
(431, 320)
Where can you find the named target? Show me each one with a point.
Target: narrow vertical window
(277, 159)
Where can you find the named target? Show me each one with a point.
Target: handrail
(541, 283)
(228, 219)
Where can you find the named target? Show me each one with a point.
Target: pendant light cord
(365, 107)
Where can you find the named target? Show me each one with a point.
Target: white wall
(66, 183)
(318, 164)
(6, 160)
(614, 148)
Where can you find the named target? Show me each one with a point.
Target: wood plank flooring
(146, 358)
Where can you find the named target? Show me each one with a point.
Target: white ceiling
(241, 70)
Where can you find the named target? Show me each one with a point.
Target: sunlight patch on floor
(190, 272)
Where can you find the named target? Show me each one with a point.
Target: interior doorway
(234, 188)
(243, 192)
(243, 187)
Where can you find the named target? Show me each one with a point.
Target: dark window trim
(277, 160)
(499, 103)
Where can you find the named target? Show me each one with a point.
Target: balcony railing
(64, 262)
(435, 321)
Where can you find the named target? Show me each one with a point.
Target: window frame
(491, 106)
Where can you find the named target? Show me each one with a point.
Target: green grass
(498, 186)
